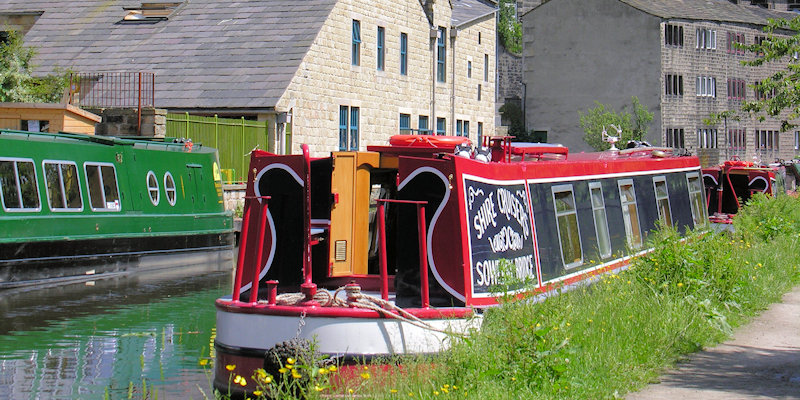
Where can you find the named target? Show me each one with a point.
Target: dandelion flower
(230, 367)
(365, 375)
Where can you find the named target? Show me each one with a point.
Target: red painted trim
(336, 312)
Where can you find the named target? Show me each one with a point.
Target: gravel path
(761, 361)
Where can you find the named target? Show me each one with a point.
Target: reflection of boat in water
(420, 228)
(73, 205)
(731, 184)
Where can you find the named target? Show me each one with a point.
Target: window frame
(407, 129)
(22, 208)
(441, 126)
(403, 53)
(99, 165)
(595, 210)
(696, 199)
(167, 190)
(151, 190)
(626, 217)
(380, 44)
(441, 55)
(663, 180)
(355, 54)
(62, 186)
(420, 128)
(567, 188)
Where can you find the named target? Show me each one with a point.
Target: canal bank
(761, 361)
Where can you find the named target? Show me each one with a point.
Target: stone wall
(125, 122)
(327, 80)
(509, 77)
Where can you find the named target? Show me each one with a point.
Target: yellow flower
(365, 375)
(296, 375)
(445, 391)
(435, 393)
(261, 373)
(350, 391)
(268, 380)
(322, 371)
(289, 366)
(680, 284)
(513, 379)
(317, 388)
(290, 361)
(410, 394)
(455, 387)
(365, 368)
(204, 362)
(230, 367)
(258, 392)
(237, 379)
(332, 368)
(283, 370)
(392, 390)
(446, 386)
(243, 382)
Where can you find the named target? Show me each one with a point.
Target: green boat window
(102, 182)
(169, 188)
(152, 188)
(63, 191)
(567, 221)
(19, 189)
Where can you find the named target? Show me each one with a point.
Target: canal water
(141, 335)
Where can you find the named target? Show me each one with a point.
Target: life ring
(428, 141)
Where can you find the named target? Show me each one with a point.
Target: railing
(234, 139)
(423, 249)
(113, 90)
(237, 282)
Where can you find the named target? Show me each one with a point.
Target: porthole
(169, 188)
(152, 188)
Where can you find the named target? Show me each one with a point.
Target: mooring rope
(355, 298)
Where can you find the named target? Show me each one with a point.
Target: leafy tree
(634, 126)
(782, 88)
(16, 82)
(508, 27)
(513, 114)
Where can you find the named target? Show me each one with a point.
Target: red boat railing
(423, 248)
(237, 283)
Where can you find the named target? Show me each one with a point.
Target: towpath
(761, 361)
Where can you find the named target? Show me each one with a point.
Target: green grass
(617, 335)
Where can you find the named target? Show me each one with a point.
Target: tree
(16, 82)
(780, 92)
(634, 126)
(508, 27)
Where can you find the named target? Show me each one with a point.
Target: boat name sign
(499, 228)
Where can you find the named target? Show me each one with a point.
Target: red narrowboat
(387, 251)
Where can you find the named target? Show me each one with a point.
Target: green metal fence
(233, 138)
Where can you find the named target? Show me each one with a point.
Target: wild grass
(617, 335)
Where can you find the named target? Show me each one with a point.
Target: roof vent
(150, 12)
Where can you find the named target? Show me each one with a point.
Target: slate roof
(466, 11)
(708, 10)
(211, 54)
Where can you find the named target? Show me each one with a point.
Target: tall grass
(618, 334)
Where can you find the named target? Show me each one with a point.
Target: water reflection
(112, 337)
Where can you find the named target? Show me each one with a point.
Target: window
(736, 89)
(567, 223)
(63, 190)
(169, 188)
(423, 124)
(674, 138)
(673, 35)
(32, 125)
(466, 128)
(479, 37)
(356, 53)
(348, 132)
(403, 54)
(706, 86)
(698, 205)
(600, 219)
(673, 85)
(479, 91)
(459, 127)
(20, 192)
(736, 43)
(793, 5)
(152, 188)
(480, 133)
(486, 68)
(706, 39)
(759, 40)
(630, 214)
(380, 50)
(469, 69)
(763, 93)
(736, 140)
(707, 138)
(101, 179)
(796, 140)
(662, 200)
(440, 126)
(405, 124)
(441, 54)
(767, 140)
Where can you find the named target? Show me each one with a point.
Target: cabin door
(194, 188)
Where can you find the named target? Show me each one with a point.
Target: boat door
(194, 188)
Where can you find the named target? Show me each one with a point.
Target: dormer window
(150, 12)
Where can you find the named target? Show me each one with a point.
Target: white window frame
(656, 181)
(88, 187)
(600, 208)
(19, 188)
(696, 199)
(627, 221)
(61, 184)
(153, 189)
(560, 189)
(168, 190)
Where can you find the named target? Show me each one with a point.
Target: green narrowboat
(78, 206)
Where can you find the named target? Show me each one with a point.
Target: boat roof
(164, 144)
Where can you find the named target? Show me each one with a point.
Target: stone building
(337, 74)
(678, 58)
